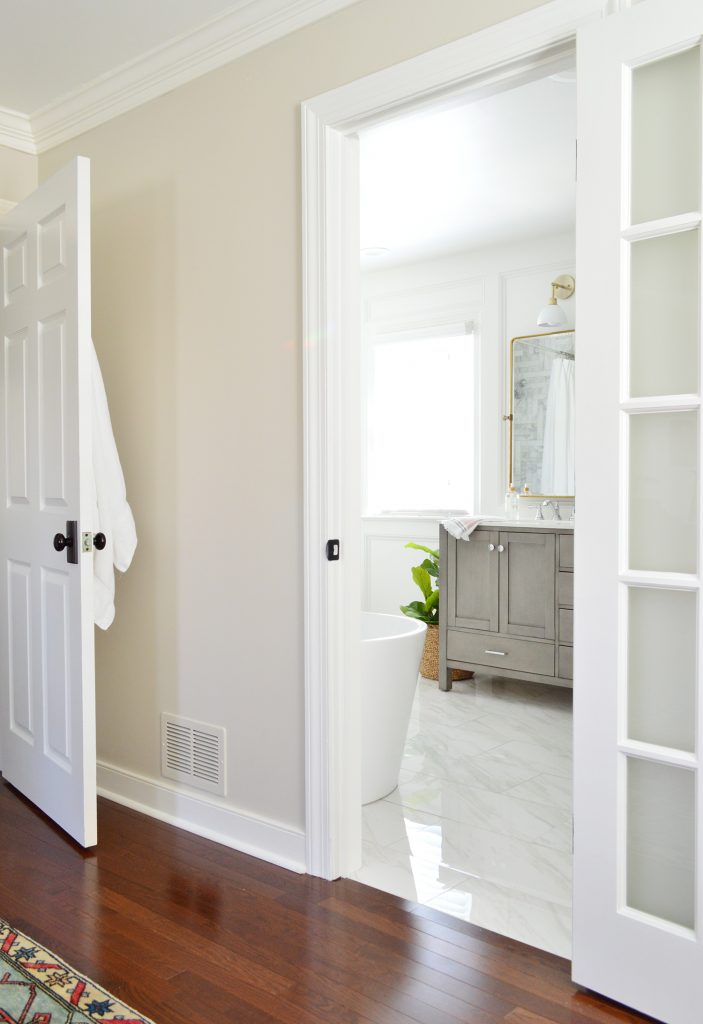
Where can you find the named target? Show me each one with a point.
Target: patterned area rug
(36, 987)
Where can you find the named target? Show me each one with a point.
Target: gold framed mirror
(541, 445)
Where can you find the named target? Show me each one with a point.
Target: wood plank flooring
(189, 932)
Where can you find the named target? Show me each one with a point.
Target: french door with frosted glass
(638, 897)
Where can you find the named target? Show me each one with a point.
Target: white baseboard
(267, 840)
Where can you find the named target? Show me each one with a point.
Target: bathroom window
(421, 422)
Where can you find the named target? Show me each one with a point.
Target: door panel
(47, 690)
(475, 582)
(638, 900)
(527, 564)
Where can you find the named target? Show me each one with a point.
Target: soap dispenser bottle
(511, 503)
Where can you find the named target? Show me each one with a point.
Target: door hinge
(332, 550)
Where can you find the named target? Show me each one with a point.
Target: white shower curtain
(558, 452)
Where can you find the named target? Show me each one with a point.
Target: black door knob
(99, 541)
(67, 542)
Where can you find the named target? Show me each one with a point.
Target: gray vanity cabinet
(527, 564)
(505, 603)
(473, 583)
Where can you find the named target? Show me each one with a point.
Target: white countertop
(527, 524)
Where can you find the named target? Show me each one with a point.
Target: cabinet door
(527, 564)
(473, 581)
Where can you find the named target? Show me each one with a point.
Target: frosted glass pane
(664, 283)
(663, 488)
(662, 667)
(666, 137)
(661, 841)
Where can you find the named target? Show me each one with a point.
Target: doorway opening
(484, 65)
(467, 215)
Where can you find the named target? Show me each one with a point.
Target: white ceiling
(51, 47)
(498, 170)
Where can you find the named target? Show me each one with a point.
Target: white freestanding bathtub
(391, 649)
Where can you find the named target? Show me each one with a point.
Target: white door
(638, 884)
(47, 681)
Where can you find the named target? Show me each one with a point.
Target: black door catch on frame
(332, 550)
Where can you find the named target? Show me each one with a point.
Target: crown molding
(16, 131)
(5, 206)
(247, 26)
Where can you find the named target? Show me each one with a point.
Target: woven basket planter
(429, 666)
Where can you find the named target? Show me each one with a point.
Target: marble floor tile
(535, 756)
(480, 824)
(517, 915)
(537, 870)
(385, 822)
(553, 790)
(555, 733)
(395, 871)
(481, 770)
(477, 807)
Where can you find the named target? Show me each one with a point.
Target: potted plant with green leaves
(426, 577)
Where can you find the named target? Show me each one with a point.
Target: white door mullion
(661, 403)
(662, 226)
(663, 580)
(662, 755)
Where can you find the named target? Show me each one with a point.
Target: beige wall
(196, 314)
(18, 174)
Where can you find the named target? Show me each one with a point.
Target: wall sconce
(553, 315)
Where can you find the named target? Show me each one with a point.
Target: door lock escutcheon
(67, 542)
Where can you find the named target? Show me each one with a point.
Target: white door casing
(638, 811)
(499, 57)
(47, 681)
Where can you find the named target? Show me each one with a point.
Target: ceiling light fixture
(553, 315)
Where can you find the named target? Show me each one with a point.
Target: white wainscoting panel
(387, 581)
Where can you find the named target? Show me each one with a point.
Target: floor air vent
(193, 752)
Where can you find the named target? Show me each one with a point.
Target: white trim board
(194, 813)
(487, 61)
(16, 131)
(244, 28)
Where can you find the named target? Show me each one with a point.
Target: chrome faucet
(554, 505)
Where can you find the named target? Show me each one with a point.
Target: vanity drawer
(566, 663)
(565, 589)
(566, 625)
(566, 551)
(501, 652)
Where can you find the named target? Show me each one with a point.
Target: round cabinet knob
(99, 541)
(501, 548)
(491, 547)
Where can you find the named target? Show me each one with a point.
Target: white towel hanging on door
(111, 512)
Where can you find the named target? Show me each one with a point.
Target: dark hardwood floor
(189, 932)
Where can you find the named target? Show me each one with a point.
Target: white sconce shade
(553, 315)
